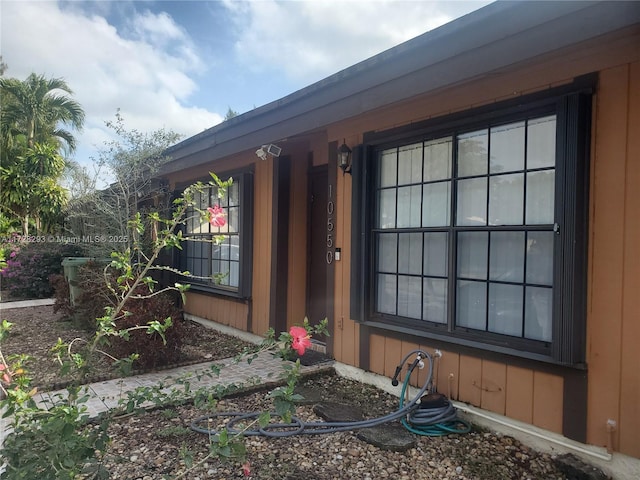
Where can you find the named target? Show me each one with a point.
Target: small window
(218, 258)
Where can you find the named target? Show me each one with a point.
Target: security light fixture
(262, 155)
(270, 149)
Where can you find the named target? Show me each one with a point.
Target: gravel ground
(149, 446)
(36, 329)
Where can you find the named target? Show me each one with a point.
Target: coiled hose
(440, 420)
(434, 415)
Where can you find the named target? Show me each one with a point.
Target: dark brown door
(317, 271)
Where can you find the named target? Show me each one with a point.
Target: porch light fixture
(270, 149)
(344, 158)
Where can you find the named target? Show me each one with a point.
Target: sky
(180, 65)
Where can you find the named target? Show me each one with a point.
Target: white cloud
(308, 40)
(146, 64)
(145, 73)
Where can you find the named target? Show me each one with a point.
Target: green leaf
(263, 419)
(5, 327)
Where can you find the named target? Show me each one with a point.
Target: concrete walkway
(264, 369)
(26, 303)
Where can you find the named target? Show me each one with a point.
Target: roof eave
(489, 39)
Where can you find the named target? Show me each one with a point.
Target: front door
(317, 263)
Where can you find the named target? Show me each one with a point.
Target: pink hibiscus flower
(217, 216)
(301, 339)
(5, 376)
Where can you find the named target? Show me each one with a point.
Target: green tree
(38, 109)
(131, 162)
(30, 188)
(36, 116)
(230, 114)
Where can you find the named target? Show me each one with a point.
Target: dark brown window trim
(468, 346)
(216, 292)
(572, 105)
(243, 293)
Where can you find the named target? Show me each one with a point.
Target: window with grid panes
(479, 230)
(212, 254)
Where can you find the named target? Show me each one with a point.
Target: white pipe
(566, 443)
(382, 382)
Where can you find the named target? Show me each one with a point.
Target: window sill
(216, 291)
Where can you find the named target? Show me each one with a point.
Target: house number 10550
(330, 225)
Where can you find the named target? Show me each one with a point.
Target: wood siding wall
(613, 352)
(520, 393)
(346, 333)
(262, 226)
(227, 312)
(528, 394)
(534, 395)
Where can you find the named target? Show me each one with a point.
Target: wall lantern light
(344, 158)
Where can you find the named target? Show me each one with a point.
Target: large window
(469, 238)
(218, 257)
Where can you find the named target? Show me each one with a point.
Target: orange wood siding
(217, 309)
(519, 395)
(614, 309)
(494, 384)
(262, 225)
(376, 353)
(547, 401)
(392, 355)
(470, 383)
(220, 167)
(629, 439)
(448, 373)
(346, 339)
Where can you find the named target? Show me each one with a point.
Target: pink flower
(217, 216)
(12, 254)
(300, 339)
(246, 469)
(5, 376)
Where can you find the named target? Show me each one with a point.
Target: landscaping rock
(338, 412)
(576, 469)
(390, 436)
(311, 395)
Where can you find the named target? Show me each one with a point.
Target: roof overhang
(490, 39)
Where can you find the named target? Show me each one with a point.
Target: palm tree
(36, 109)
(33, 117)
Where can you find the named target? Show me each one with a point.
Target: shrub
(61, 294)
(153, 352)
(94, 297)
(27, 273)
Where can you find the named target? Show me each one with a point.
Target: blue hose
(421, 421)
(435, 420)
